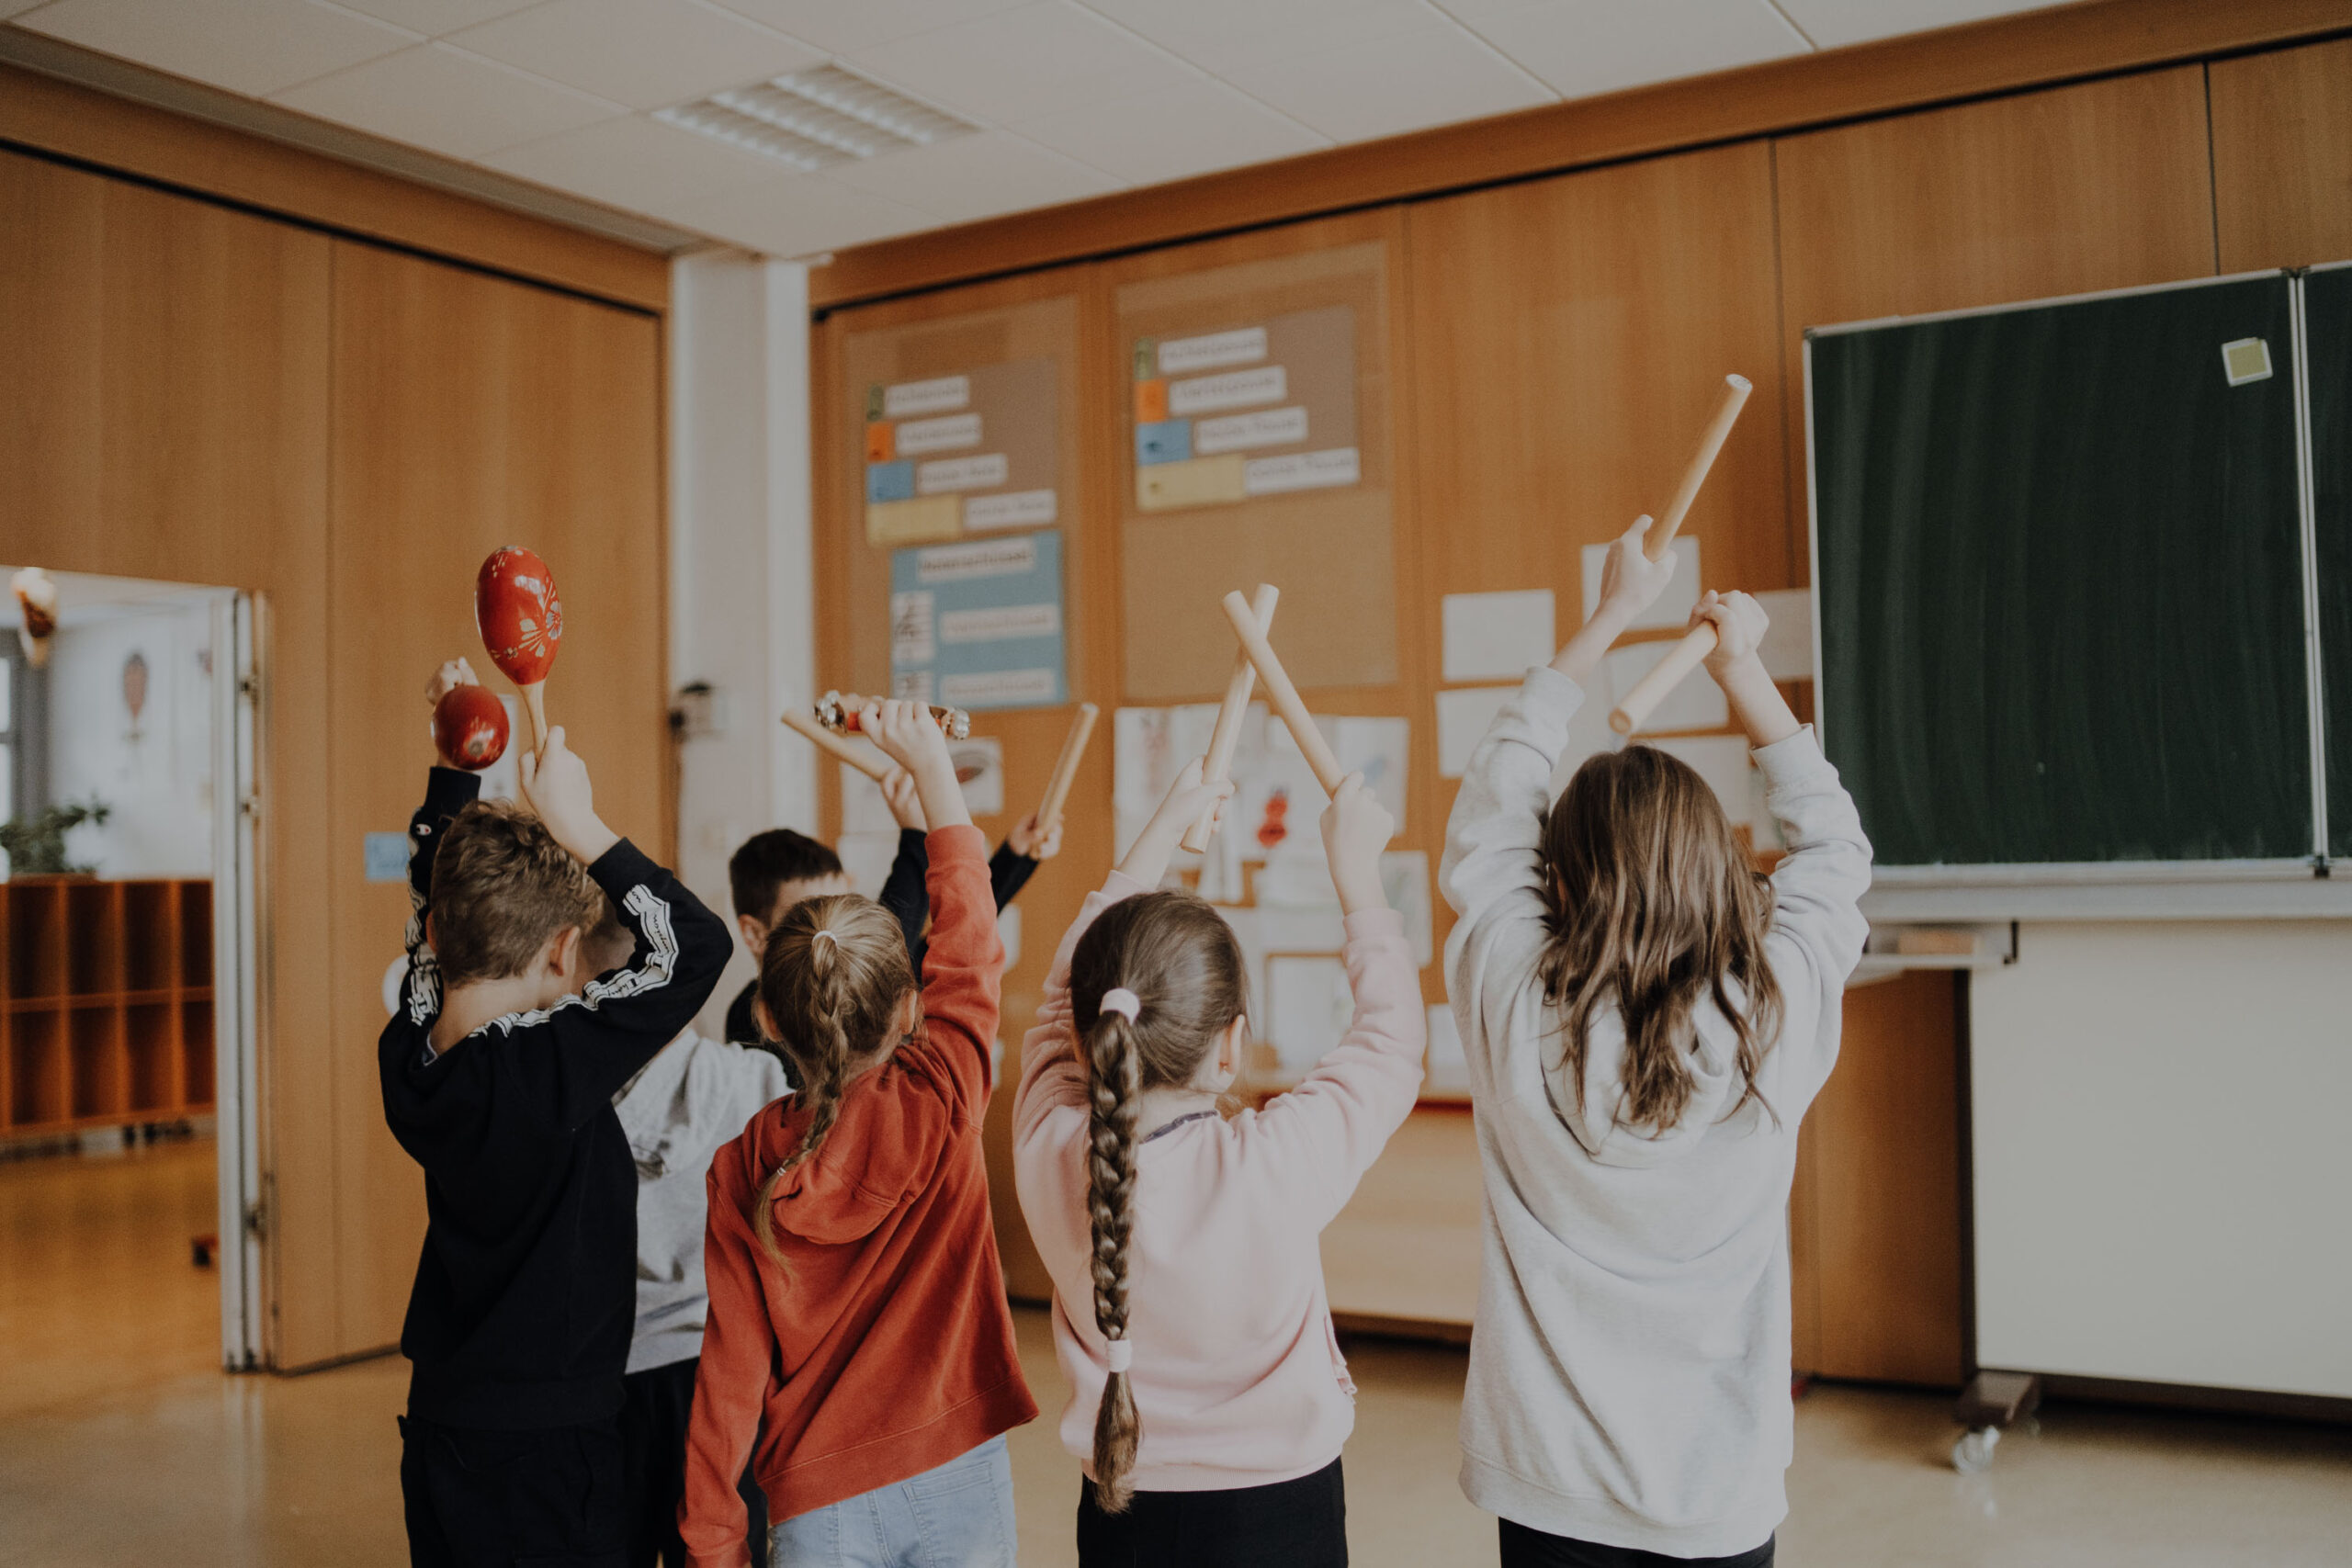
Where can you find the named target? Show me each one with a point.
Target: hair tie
(1120, 1354)
(1123, 1001)
(824, 936)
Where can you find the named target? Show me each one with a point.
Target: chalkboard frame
(2297, 885)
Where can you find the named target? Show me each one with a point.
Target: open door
(237, 806)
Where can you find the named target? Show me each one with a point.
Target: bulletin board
(959, 467)
(1257, 416)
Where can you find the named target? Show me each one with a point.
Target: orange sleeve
(963, 973)
(731, 1387)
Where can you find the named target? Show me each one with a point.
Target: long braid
(1111, 1193)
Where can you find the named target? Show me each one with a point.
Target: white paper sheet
(1787, 648)
(1722, 760)
(1497, 637)
(1697, 703)
(1309, 1008)
(1673, 606)
(862, 808)
(980, 768)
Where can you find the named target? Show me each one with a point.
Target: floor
(119, 1443)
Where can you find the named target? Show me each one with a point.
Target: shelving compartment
(195, 1053)
(195, 935)
(150, 936)
(152, 1034)
(94, 1046)
(92, 938)
(36, 1076)
(36, 938)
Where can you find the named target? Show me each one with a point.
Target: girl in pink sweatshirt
(1211, 1400)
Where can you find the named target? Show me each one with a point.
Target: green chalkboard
(2327, 315)
(2059, 564)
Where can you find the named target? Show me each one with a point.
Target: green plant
(36, 845)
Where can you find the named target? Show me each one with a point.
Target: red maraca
(469, 726)
(521, 621)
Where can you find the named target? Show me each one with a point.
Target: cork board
(959, 428)
(1258, 418)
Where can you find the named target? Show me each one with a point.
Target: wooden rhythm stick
(1694, 474)
(1081, 730)
(864, 759)
(1228, 733)
(1283, 696)
(1668, 672)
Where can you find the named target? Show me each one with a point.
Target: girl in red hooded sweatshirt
(859, 1326)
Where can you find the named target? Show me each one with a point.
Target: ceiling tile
(644, 53)
(633, 163)
(974, 176)
(445, 99)
(1168, 135)
(434, 17)
(841, 28)
(799, 215)
(1214, 34)
(247, 46)
(1832, 22)
(1582, 47)
(1368, 87)
(1042, 56)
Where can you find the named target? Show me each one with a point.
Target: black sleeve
(573, 1057)
(1009, 873)
(905, 892)
(743, 1023)
(448, 791)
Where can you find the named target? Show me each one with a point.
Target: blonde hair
(832, 975)
(1652, 902)
(1184, 967)
(502, 886)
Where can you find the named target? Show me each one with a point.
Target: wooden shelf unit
(106, 1002)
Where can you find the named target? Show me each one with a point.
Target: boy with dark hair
(774, 870)
(498, 1072)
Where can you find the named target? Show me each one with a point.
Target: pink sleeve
(1323, 1135)
(1049, 1109)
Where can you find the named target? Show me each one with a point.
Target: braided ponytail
(1118, 1084)
(833, 976)
(1154, 982)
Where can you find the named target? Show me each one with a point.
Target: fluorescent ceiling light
(810, 118)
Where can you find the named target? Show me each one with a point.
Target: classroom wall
(740, 589)
(212, 395)
(154, 770)
(1560, 340)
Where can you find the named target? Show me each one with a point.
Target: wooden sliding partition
(202, 392)
(1556, 337)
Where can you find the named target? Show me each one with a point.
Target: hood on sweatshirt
(1716, 1088)
(853, 1182)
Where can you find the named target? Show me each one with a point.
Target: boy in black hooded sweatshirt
(499, 1070)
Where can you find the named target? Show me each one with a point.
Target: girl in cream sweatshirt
(1211, 1400)
(1646, 1020)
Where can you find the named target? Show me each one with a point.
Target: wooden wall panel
(2282, 157)
(469, 413)
(163, 413)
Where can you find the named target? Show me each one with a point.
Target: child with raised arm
(498, 1072)
(1210, 1399)
(859, 1326)
(1646, 1020)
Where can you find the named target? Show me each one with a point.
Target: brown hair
(502, 886)
(1185, 965)
(832, 975)
(1652, 901)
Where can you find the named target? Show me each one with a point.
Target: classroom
(1655, 697)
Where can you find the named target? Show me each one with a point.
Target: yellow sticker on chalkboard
(925, 520)
(1196, 481)
(2246, 359)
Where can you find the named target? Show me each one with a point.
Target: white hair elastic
(824, 936)
(1121, 1000)
(1119, 1355)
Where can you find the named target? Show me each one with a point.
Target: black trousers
(1524, 1548)
(476, 1498)
(1291, 1524)
(654, 1467)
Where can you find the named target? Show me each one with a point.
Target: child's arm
(730, 1389)
(964, 966)
(1016, 860)
(903, 891)
(1740, 623)
(1324, 1134)
(596, 1039)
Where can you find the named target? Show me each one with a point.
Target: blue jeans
(958, 1516)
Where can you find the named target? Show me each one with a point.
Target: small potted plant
(36, 845)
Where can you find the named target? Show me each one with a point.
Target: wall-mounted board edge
(2109, 890)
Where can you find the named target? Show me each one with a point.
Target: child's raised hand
(909, 737)
(454, 673)
(1148, 856)
(1356, 828)
(1739, 621)
(556, 787)
(1039, 843)
(906, 804)
(1631, 581)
